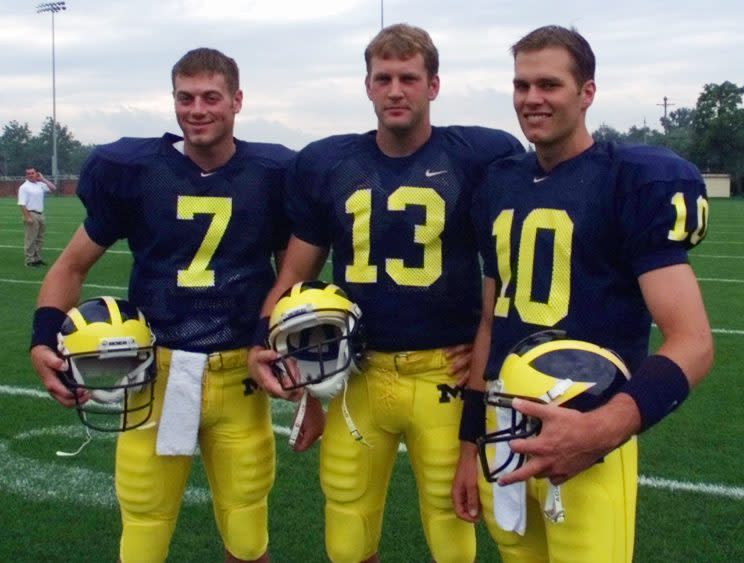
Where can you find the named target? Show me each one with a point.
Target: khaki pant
(33, 238)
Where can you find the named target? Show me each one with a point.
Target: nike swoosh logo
(205, 174)
(538, 179)
(432, 173)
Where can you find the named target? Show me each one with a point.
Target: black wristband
(46, 324)
(473, 419)
(260, 335)
(658, 387)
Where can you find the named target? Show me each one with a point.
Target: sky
(302, 65)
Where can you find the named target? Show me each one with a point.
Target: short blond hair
(403, 41)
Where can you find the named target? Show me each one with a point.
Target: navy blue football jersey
(403, 245)
(201, 241)
(566, 248)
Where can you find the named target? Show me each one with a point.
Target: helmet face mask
(109, 350)
(547, 368)
(317, 332)
(520, 426)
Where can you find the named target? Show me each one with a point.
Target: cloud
(302, 67)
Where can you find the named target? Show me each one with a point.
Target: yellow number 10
(678, 232)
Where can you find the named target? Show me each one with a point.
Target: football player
(202, 216)
(590, 239)
(393, 205)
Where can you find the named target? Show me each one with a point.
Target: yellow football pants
(237, 447)
(408, 396)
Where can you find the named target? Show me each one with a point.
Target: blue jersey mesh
(201, 242)
(403, 245)
(575, 241)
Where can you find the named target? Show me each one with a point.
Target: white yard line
(109, 251)
(35, 479)
(87, 285)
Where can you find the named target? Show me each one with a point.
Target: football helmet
(317, 331)
(549, 368)
(109, 349)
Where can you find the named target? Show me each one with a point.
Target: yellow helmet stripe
(113, 310)
(77, 318)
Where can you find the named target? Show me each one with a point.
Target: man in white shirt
(31, 201)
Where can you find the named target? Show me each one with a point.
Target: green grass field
(691, 495)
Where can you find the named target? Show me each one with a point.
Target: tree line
(20, 148)
(711, 135)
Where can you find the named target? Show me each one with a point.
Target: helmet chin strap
(349, 422)
(87, 440)
(553, 505)
(557, 390)
(300, 416)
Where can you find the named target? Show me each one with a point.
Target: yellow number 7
(197, 274)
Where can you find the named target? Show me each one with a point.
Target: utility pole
(382, 14)
(53, 8)
(666, 104)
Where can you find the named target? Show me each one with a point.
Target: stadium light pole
(53, 8)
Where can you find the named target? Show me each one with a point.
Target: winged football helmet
(109, 349)
(317, 331)
(546, 367)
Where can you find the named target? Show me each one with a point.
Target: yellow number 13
(428, 235)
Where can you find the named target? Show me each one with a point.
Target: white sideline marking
(57, 480)
(109, 251)
(729, 242)
(696, 255)
(23, 392)
(60, 479)
(704, 488)
(719, 280)
(98, 286)
(38, 282)
(726, 331)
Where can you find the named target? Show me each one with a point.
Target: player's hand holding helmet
(109, 351)
(549, 368)
(316, 330)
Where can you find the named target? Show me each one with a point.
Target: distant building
(718, 185)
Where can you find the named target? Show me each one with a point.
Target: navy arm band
(658, 387)
(46, 324)
(260, 335)
(473, 420)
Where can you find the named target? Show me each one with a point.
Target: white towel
(509, 502)
(179, 422)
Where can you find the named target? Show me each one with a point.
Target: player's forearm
(63, 282)
(482, 341)
(61, 287)
(615, 422)
(481, 346)
(692, 351)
